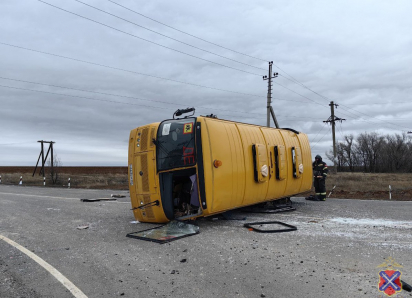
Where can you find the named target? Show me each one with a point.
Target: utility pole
(269, 101)
(44, 158)
(332, 119)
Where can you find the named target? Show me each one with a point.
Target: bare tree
(54, 172)
(369, 147)
(374, 153)
(349, 155)
(398, 155)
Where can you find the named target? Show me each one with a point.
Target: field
(348, 185)
(371, 185)
(80, 177)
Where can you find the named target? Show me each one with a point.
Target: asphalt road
(334, 253)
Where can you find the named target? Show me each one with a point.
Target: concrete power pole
(332, 119)
(269, 101)
(332, 114)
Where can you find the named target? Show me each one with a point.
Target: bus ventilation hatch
(144, 137)
(145, 176)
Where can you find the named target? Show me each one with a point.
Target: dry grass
(80, 177)
(371, 185)
(371, 181)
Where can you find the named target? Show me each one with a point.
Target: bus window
(297, 162)
(175, 144)
(260, 162)
(280, 162)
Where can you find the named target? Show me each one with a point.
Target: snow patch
(372, 222)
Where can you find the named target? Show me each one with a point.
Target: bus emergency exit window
(280, 162)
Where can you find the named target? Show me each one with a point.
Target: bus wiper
(155, 203)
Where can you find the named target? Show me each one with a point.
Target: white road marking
(53, 271)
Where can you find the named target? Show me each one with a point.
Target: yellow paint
(233, 184)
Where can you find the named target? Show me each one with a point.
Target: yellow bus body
(236, 165)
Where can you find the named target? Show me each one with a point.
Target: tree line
(371, 152)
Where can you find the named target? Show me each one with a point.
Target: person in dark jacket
(320, 171)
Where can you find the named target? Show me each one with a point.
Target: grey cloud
(349, 51)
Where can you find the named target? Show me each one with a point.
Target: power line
(344, 106)
(223, 47)
(138, 98)
(347, 111)
(373, 117)
(321, 129)
(140, 105)
(298, 93)
(149, 41)
(166, 79)
(76, 96)
(164, 35)
(129, 97)
(199, 38)
(375, 103)
(197, 85)
(6, 144)
(290, 79)
(314, 145)
(131, 71)
(341, 131)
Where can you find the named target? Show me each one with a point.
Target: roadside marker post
(0, 178)
(44, 181)
(390, 193)
(68, 183)
(21, 180)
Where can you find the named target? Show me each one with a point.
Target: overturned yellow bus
(199, 166)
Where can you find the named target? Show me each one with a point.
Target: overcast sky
(356, 53)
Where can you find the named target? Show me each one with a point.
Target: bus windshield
(176, 144)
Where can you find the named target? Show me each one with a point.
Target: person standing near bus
(320, 171)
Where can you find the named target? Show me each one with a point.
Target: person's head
(318, 158)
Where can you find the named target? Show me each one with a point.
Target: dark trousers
(320, 188)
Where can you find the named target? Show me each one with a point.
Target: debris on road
(135, 222)
(282, 205)
(406, 287)
(118, 196)
(275, 209)
(166, 233)
(250, 225)
(83, 227)
(98, 199)
(228, 215)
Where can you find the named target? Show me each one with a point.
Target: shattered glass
(169, 232)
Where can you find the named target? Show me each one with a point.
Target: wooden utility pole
(332, 119)
(269, 97)
(44, 158)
